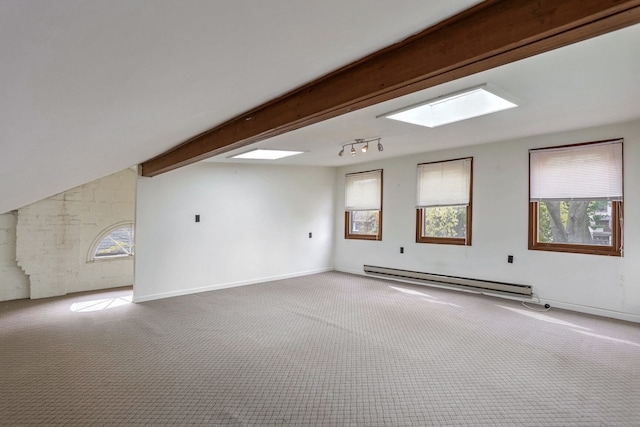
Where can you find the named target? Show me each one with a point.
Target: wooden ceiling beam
(493, 33)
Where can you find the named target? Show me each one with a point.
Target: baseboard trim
(346, 270)
(144, 298)
(629, 317)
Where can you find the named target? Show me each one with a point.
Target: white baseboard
(189, 291)
(345, 270)
(630, 317)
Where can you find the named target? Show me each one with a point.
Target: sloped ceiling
(89, 88)
(93, 87)
(583, 85)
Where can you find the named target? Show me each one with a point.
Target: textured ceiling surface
(91, 88)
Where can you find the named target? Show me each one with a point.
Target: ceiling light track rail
(364, 148)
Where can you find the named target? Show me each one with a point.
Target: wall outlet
(197, 218)
(310, 234)
(401, 250)
(510, 259)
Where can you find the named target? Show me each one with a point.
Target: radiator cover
(458, 282)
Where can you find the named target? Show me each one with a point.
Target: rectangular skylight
(473, 102)
(259, 154)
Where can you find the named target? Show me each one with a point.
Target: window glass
(364, 222)
(575, 221)
(445, 221)
(116, 243)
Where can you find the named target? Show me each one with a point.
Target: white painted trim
(137, 299)
(630, 317)
(345, 270)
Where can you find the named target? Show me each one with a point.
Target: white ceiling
(89, 88)
(583, 85)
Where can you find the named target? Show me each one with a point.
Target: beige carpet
(324, 350)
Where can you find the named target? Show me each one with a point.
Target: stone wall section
(54, 237)
(14, 284)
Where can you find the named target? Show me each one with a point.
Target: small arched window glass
(117, 242)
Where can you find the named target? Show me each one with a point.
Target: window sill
(111, 259)
(444, 241)
(362, 237)
(576, 249)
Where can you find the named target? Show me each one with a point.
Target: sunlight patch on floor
(543, 317)
(604, 337)
(435, 301)
(426, 297)
(410, 292)
(100, 304)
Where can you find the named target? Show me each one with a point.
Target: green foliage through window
(364, 222)
(444, 221)
(575, 221)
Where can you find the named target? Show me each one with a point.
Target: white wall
(596, 284)
(14, 284)
(254, 227)
(55, 236)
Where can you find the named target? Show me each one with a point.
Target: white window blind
(363, 191)
(444, 183)
(583, 172)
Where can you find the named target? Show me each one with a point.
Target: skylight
(260, 154)
(473, 102)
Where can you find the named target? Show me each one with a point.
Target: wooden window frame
(616, 235)
(461, 241)
(347, 217)
(349, 235)
(617, 220)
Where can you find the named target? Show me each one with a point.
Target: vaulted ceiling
(91, 88)
(583, 85)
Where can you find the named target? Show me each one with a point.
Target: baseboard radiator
(451, 281)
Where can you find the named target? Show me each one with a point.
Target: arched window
(115, 242)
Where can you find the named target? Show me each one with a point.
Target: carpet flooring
(330, 349)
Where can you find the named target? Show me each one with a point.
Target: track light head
(365, 147)
(380, 147)
(353, 150)
(341, 152)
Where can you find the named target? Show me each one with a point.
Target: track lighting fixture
(364, 148)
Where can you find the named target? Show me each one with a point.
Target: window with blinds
(363, 205)
(443, 202)
(575, 198)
